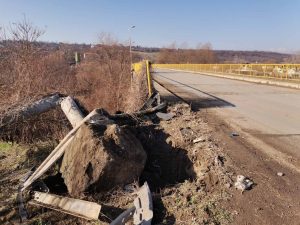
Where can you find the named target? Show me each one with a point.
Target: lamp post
(130, 52)
(130, 44)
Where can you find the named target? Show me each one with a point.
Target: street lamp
(130, 52)
(130, 44)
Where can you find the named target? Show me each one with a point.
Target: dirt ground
(273, 199)
(191, 183)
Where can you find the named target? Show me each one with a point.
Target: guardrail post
(149, 78)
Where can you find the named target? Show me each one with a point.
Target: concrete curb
(247, 79)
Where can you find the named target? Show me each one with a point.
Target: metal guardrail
(273, 71)
(138, 69)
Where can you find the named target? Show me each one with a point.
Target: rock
(234, 134)
(280, 174)
(242, 183)
(100, 158)
(165, 116)
(187, 133)
(227, 185)
(219, 160)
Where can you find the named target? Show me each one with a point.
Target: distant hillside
(224, 56)
(152, 53)
(228, 56)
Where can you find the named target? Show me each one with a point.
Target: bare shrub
(27, 73)
(104, 77)
(172, 54)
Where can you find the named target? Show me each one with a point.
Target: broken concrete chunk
(242, 183)
(165, 116)
(75, 207)
(143, 206)
(101, 157)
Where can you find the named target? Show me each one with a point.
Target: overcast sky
(271, 25)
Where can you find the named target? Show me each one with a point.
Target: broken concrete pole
(57, 152)
(75, 207)
(71, 110)
(100, 158)
(31, 110)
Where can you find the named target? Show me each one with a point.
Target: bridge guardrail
(273, 71)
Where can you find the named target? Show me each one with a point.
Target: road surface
(268, 116)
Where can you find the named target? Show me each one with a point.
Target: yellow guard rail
(273, 71)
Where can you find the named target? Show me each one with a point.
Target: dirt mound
(102, 157)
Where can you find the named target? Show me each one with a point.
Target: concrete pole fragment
(71, 110)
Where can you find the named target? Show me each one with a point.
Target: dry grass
(28, 71)
(173, 54)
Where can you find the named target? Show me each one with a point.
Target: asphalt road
(268, 113)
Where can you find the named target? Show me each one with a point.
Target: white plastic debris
(200, 139)
(242, 183)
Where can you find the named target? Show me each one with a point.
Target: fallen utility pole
(57, 152)
(31, 110)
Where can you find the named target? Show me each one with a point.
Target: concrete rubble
(243, 183)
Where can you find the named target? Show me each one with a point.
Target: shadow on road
(190, 95)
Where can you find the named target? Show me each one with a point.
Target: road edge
(246, 79)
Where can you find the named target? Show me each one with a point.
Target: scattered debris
(242, 183)
(97, 154)
(142, 211)
(199, 139)
(144, 206)
(280, 174)
(219, 160)
(104, 151)
(75, 207)
(165, 116)
(187, 133)
(234, 134)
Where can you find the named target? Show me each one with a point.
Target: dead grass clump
(105, 81)
(138, 93)
(27, 73)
